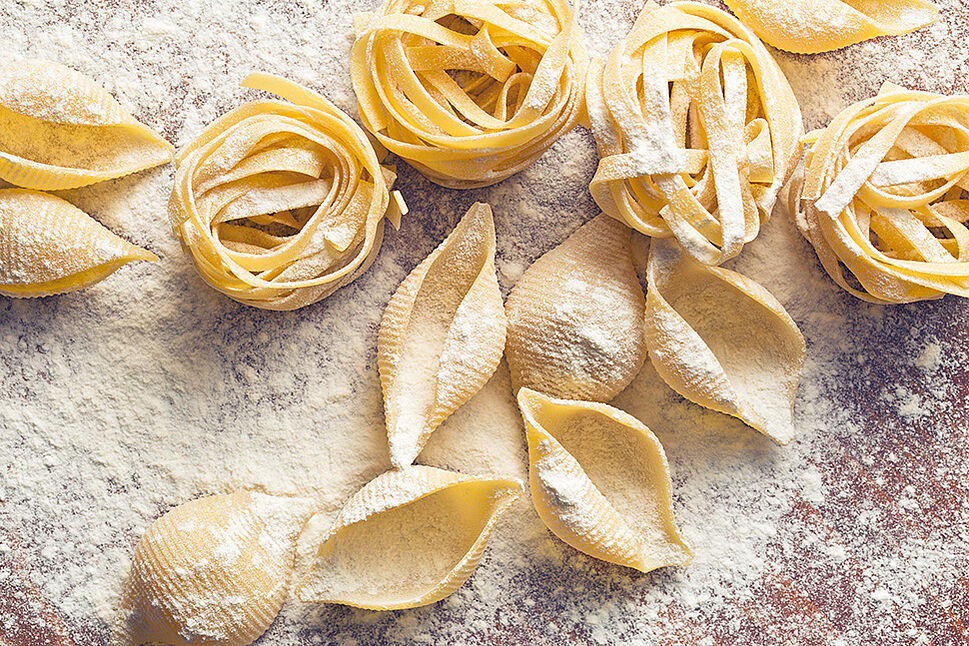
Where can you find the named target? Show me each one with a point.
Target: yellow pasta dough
(722, 341)
(575, 318)
(282, 203)
(213, 571)
(811, 26)
(442, 335)
(49, 246)
(408, 538)
(883, 197)
(59, 129)
(697, 129)
(469, 92)
(600, 482)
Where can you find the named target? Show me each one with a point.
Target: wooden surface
(875, 555)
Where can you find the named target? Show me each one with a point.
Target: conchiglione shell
(408, 538)
(697, 129)
(575, 318)
(281, 203)
(600, 482)
(469, 92)
(442, 335)
(49, 246)
(213, 571)
(722, 341)
(812, 26)
(59, 129)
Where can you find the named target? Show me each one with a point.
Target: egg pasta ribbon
(469, 92)
(883, 197)
(812, 26)
(281, 203)
(697, 129)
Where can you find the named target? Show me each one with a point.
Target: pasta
(59, 129)
(600, 482)
(442, 335)
(408, 538)
(469, 92)
(883, 197)
(212, 571)
(697, 130)
(812, 26)
(722, 341)
(49, 246)
(575, 318)
(282, 203)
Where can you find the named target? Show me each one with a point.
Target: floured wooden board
(149, 389)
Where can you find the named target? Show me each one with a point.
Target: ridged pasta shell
(59, 129)
(575, 318)
(697, 129)
(882, 197)
(469, 92)
(812, 26)
(49, 246)
(442, 335)
(213, 571)
(722, 341)
(409, 538)
(281, 203)
(600, 482)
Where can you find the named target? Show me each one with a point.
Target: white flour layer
(148, 389)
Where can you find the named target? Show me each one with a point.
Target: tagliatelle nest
(884, 197)
(697, 129)
(469, 92)
(281, 204)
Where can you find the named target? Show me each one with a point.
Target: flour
(150, 389)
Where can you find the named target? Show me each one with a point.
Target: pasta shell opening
(407, 539)
(723, 341)
(59, 130)
(442, 334)
(600, 482)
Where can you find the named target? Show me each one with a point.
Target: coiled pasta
(884, 197)
(469, 92)
(281, 204)
(697, 130)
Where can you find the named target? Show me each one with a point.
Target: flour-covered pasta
(811, 26)
(409, 538)
(697, 129)
(212, 571)
(282, 203)
(575, 318)
(442, 335)
(60, 129)
(600, 482)
(722, 341)
(49, 246)
(469, 92)
(883, 197)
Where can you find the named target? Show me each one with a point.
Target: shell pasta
(281, 204)
(469, 92)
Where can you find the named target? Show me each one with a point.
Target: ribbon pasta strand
(469, 92)
(282, 203)
(697, 130)
(883, 197)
